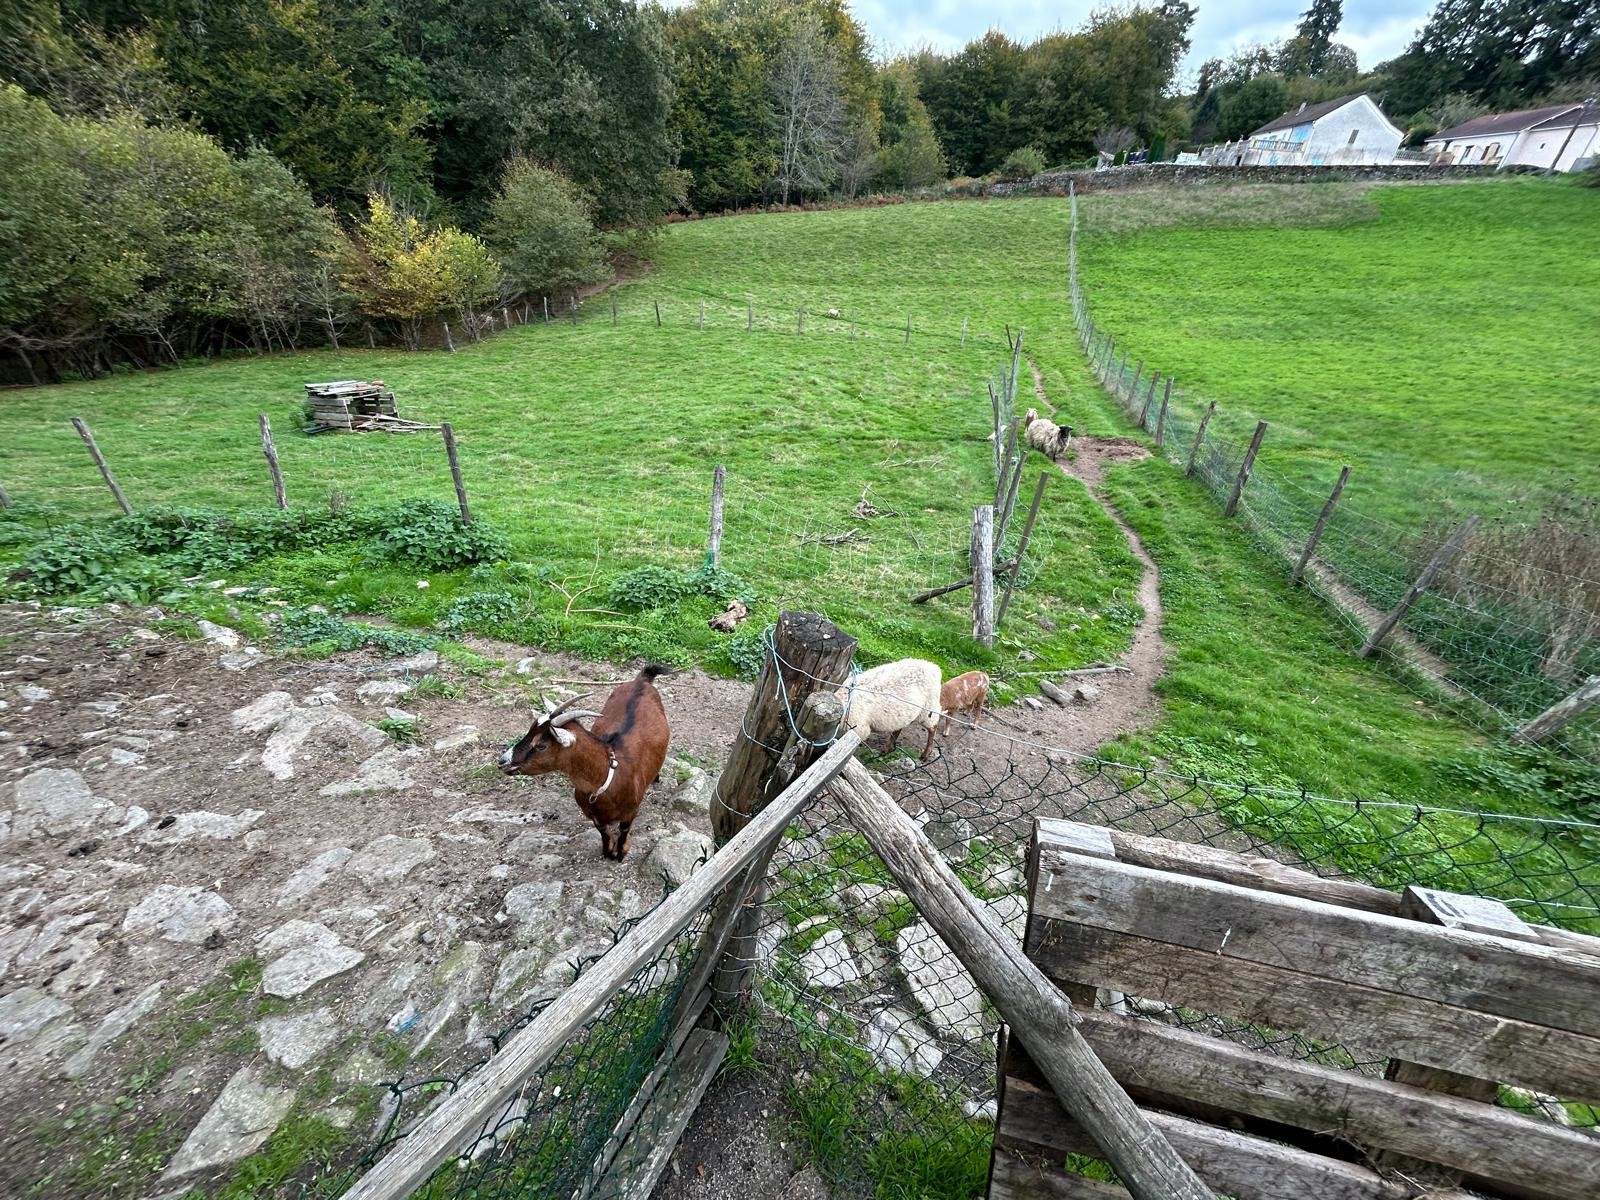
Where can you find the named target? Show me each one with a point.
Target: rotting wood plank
(1235, 1164)
(1523, 981)
(1013, 1177)
(1161, 1064)
(486, 1091)
(644, 1156)
(1283, 998)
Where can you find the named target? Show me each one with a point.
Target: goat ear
(562, 736)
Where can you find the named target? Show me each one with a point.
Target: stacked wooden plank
(1457, 991)
(356, 405)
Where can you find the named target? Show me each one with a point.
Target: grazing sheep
(894, 697)
(964, 694)
(1046, 436)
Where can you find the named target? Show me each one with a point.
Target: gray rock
(115, 1024)
(310, 953)
(124, 758)
(386, 771)
(28, 1012)
(240, 1120)
(949, 997)
(679, 855)
(400, 714)
(219, 635)
(56, 800)
(515, 969)
(869, 900)
(186, 915)
(1012, 911)
(461, 974)
(533, 902)
(694, 793)
(33, 693)
(526, 666)
(897, 1040)
(192, 826)
(241, 660)
(531, 845)
(326, 728)
(829, 962)
(313, 875)
(388, 858)
(465, 735)
(376, 691)
(1086, 693)
(951, 835)
(295, 1041)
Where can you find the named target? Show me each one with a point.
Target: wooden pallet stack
(355, 405)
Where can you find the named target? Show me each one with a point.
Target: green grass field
(1440, 340)
(592, 444)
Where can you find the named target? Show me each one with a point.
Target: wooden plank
(644, 1156)
(1282, 998)
(1227, 866)
(1013, 1177)
(488, 1089)
(1236, 1164)
(1524, 981)
(1027, 1001)
(1561, 712)
(1159, 1064)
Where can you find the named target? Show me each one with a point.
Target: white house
(1559, 137)
(1348, 131)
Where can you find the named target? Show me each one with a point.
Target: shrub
(73, 560)
(1023, 163)
(539, 226)
(429, 534)
(304, 627)
(649, 587)
(478, 611)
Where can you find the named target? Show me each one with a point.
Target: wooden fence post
(573, 308)
(982, 561)
(1003, 515)
(448, 340)
(99, 461)
(1244, 470)
(1138, 373)
(5, 500)
(702, 316)
(808, 654)
(1317, 529)
(1199, 438)
(1111, 353)
(1036, 1010)
(613, 309)
(1149, 399)
(1442, 558)
(1122, 374)
(908, 329)
(1161, 417)
(1001, 479)
(714, 544)
(1559, 713)
(271, 451)
(455, 471)
(1022, 548)
(505, 313)
(658, 314)
(799, 320)
(963, 333)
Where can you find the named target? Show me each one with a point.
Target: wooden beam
(1022, 549)
(1245, 469)
(485, 1092)
(1161, 417)
(1319, 527)
(714, 544)
(1199, 438)
(1013, 1177)
(455, 471)
(1160, 1064)
(269, 449)
(1035, 1010)
(1442, 557)
(982, 559)
(1559, 713)
(99, 461)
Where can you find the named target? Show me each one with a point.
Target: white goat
(894, 697)
(1044, 435)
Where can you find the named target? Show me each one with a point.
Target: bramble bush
(660, 587)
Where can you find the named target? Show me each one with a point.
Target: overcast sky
(1374, 29)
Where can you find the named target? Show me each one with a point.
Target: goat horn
(552, 713)
(560, 718)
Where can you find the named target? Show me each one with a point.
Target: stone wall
(1054, 183)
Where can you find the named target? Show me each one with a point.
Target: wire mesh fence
(1502, 634)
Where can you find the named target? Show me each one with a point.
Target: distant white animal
(894, 697)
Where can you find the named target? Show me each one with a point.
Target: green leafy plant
(304, 627)
(429, 534)
(400, 729)
(649, 587)
(479, 611)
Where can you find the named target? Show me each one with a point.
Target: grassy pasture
(1438, 339)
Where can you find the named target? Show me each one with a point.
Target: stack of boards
(355, 405)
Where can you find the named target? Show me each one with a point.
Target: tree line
(182, 176)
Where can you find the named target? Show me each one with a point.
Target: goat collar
(611, 773)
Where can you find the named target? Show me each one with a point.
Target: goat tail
(649, 671)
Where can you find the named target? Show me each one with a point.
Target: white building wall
(1521, 148)
(1376, 140)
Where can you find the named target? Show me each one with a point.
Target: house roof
(1305, 114)
(1511, 122)
(1588, 114)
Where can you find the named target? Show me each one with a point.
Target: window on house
(1354, 134)
(1492, 154)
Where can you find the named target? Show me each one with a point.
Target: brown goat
(964, 694)
(610, 764)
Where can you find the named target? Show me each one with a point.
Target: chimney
(1301, 109)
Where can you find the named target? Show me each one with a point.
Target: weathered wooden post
(455, 471)
(714, 544)
(1110, 353)
(963, 333)
(1122, 374)
(99, 461)
(1317, 529)
(1138, 373)
(506, 313)
(1022, 549)
(1003, 514)
(799, 320)
(1039, 1014)
(982, 561)
(809, 654)
(448, 340)
(613, 309)
(1244, 470)
(1161, 417)
(702, 316)
(908, 329)
(573, 307)
(269, 449)
(1199, 438)
(5, 500)
(372, 343)
(1558, 714)
(1002, 476)
(1149, 399)
(547, 310)
(1442, 557)
(658, 314)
